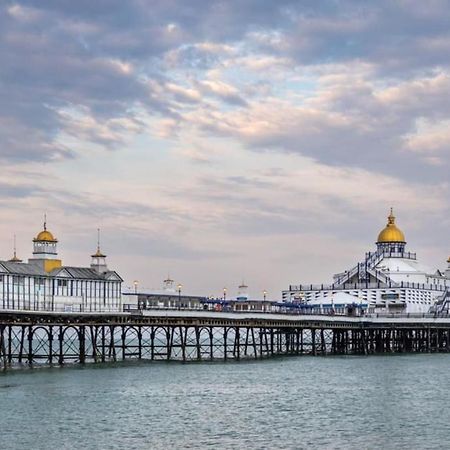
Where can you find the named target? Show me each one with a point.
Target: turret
(45, 250)
(242, 292)
(98, 262)
(168, 284)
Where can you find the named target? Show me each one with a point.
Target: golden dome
(448, 260)
(391, 233)
(45, 236)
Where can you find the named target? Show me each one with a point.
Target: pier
(49, 338)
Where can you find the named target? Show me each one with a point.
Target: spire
(98, 239)
(45, 221)
(168, 279)
(99, 253)
(15, 258)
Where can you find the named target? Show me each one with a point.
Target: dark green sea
(375, 402)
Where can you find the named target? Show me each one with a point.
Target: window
(18, 280)
(62, 283)
(390, 296)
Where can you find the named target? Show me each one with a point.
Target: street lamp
(135, 282)
(224, 293)
(179, 294)
(265, 294)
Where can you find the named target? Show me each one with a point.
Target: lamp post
(179, 295)
(135, 283)
(224, 294)
(265, 294)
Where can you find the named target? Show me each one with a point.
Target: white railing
(76, 308)
(379, 285)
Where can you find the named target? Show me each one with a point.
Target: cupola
(45, 249)
(98, 262)
(242, 292)
(168, 284)
(391, 238)
(45, 243)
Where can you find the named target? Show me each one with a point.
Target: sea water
(352, 402)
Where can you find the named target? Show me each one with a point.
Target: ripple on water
(293, 403)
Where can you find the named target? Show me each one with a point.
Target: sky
(224, 141)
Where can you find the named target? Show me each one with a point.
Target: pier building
(45, 284)
(389, 279)
(171, 298)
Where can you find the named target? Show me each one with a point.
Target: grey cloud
(350, 126)
(18, 191)
(65, 54)
(389, 34)
(140, 243)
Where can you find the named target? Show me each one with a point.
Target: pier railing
(75, 308)
(351, 286)
(323, 312)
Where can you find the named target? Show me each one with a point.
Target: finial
(45, 221)
(391, 217)
(15, 258)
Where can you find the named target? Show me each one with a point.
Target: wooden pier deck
(34, 338)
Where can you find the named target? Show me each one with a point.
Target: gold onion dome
(448, 260)
(45, 235)
(391, 233)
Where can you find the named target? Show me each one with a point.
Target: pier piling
(30, 338)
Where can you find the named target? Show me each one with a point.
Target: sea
(348, 402)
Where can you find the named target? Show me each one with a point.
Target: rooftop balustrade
(352, 286)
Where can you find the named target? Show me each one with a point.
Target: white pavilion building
(45, 284)
(388, 280)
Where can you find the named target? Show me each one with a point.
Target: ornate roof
(390, 233)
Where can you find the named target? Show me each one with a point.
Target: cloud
(223, 90)
(57, 56)
(365, 126)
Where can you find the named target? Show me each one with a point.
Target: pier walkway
(31, 338)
